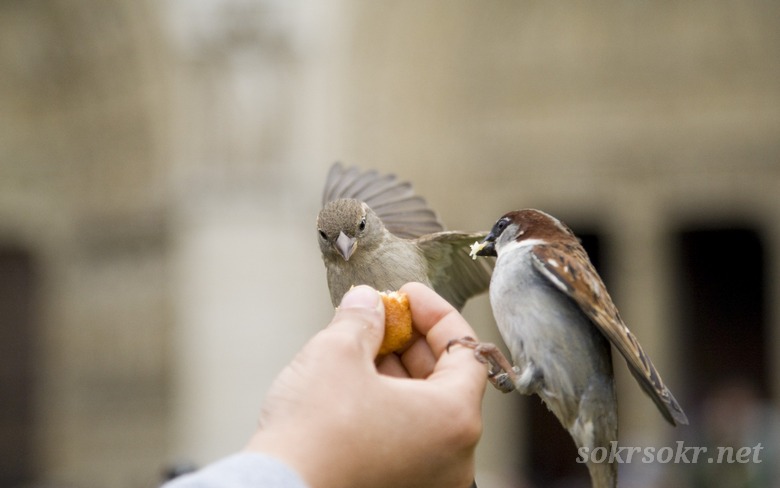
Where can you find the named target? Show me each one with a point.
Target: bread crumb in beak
(475, 248)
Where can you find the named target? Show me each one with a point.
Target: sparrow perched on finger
(374, 230)
(558, 320)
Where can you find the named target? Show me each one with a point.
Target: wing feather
(403, 213)
(452, 272)
(568, 268)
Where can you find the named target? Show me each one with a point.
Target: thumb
(361, 315)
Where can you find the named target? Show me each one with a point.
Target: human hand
(412, 420)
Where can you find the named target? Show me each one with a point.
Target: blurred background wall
(161, 165)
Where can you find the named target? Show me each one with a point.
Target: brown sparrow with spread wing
(374, 230)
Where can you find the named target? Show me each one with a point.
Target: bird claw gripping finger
(502, 375)
(503, 382)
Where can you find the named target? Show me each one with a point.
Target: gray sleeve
(242, 470)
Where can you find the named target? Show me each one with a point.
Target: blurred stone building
(160, 173)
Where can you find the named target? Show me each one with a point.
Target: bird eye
(323, 235)
(501, 225)
(363, 224)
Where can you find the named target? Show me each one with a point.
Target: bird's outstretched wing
(403, 213)
(453, 274)
(568, 268)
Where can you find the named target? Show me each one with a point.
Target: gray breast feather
(540, 324)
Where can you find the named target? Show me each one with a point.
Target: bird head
(346, 224)
(522, 226)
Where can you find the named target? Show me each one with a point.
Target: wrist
(314, 461)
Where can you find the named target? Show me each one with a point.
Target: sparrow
(374, 230)
(557, 319)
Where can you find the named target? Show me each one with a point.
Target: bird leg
(502, 375)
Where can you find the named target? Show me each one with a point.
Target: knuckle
(365, 315)
(340, 342)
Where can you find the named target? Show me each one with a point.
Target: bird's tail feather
(665, 401)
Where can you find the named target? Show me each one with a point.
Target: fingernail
(360, 297)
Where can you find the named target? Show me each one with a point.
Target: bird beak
(489, 249)
(345, 245)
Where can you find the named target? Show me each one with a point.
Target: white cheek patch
(513, 244)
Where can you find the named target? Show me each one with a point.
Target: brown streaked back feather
(403, 213)
(567, 267)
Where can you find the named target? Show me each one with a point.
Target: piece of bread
(398, 322)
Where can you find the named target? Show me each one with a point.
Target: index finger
(435, 318)
(440, 323)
